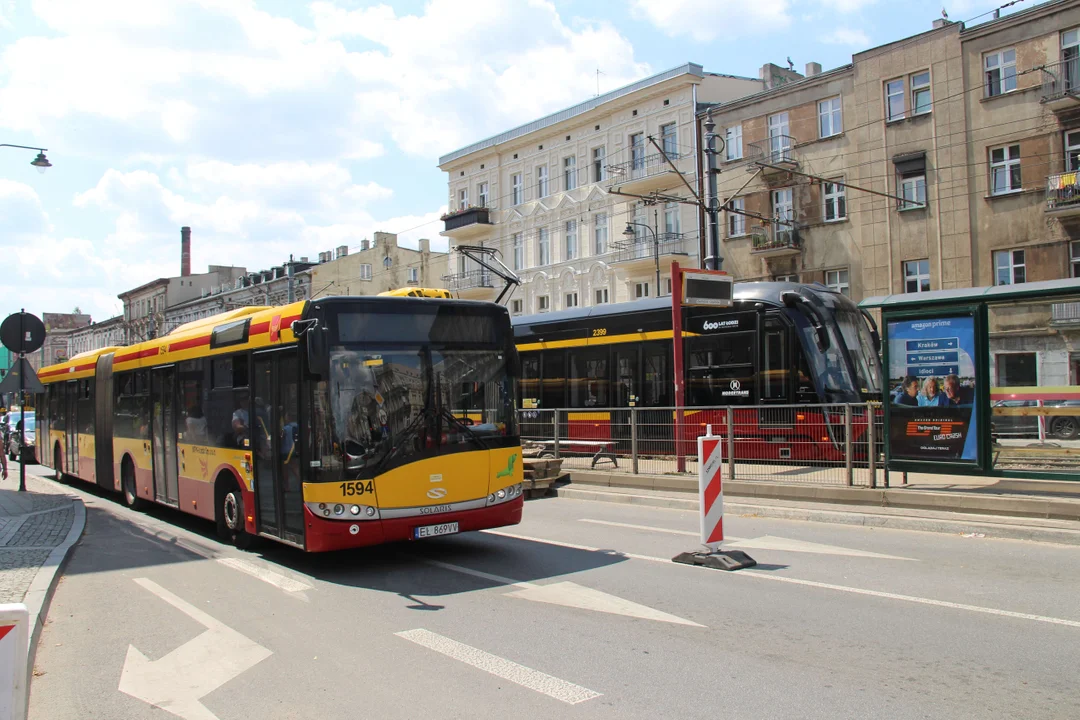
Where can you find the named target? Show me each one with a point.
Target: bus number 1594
(357, 487)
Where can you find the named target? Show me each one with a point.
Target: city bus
(791, 355)
(324, 424)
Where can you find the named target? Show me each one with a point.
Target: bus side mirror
(313, 335)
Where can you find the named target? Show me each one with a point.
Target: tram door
(275, 433)
(775, 374)
(163, 434)
(71, 434)
(625, 395)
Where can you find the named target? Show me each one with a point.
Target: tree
(77, 311)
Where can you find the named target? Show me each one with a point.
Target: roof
(144, 286)
(1047, 289)
(581, 108)
(704, 108)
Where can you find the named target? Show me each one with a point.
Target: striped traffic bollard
(711, 510)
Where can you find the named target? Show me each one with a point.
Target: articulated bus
(780, 344)
(324, 424)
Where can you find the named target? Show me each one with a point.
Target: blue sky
(281, 127)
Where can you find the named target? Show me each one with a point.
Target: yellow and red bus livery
(324, 424)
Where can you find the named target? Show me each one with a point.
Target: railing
(641, 167)
(469, 280)
(468, 216)
(1062, 190)
(777, 149)
(821, 444)
(644, 247)
(1061, 79)
(775, 237)
(1065, 313)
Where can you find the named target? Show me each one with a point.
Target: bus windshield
(392, 406)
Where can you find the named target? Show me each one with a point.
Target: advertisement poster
(932, 413)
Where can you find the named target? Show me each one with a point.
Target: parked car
(12, 448)
(1062, 427)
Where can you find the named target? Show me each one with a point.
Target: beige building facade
(378, 266)
(554, 197)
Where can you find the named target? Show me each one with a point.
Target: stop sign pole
(22, 333)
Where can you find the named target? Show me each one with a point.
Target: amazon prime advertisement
(932, 405)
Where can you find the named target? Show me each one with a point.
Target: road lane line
(480, 574)
(541, 682)
(811, 583)
(276, 579)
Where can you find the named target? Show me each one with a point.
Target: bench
(605, 449)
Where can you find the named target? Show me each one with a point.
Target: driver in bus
(240, 427)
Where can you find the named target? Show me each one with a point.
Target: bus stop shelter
(982, 381)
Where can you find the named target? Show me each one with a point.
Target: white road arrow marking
(195, 669)
(577, 596)
(770, 542)
(295, 588)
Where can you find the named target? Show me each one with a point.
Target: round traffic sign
(22, 332)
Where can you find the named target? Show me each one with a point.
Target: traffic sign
(22, 332)
(21, 377)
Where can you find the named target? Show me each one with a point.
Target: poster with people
(932, 399)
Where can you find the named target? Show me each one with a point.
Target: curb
(39, 596)
(990, 526)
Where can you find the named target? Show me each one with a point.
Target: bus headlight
(339, 509)
(355, 509)
(501, 494)
(371, 512)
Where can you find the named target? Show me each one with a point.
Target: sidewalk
(37, 531)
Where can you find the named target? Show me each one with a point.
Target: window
(414, 275)
(541, 181)
(1074, 258)
(601, 296)
(736, 223)
(571, 300)
(894, 100)
(599, 170)
(234, 333)
(571, 239)
(463, 198)
(667, 286)
(1005, 170)
(641, 290)
(917, 276)
(733, 143)
(671, 220)
(515, 307)
(519, 250)
(1072, 151)
(365, 271)
(570, 173)
(920, 93)
(830, 119)
(517, 189)
(837, 281)
(482, 194)
(1000, 72)
(1070, 59)
(543, 303)
(545, 247)
(1009, 267)
(637, 150)
(669, 140)
(835, 199)
(779, 138)
(913, 190)
(1016, 369)
(600, 234)
(786, 278)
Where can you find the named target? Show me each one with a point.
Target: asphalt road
(577, 612)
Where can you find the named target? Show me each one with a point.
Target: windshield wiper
(468, 430)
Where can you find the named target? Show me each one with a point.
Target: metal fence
(834, 444)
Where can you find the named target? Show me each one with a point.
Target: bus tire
(58, 458)
(230, 513)
(129, 490)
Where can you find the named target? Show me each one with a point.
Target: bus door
(163, 434)
(71, 432)
(275, 433)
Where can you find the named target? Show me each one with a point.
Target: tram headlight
(355, 509)
(339, 509)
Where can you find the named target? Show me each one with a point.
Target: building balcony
(1063, 194)
(471, 280)
(776, 240)
(649, 173)
(1061, 85)
(468, 224)
(774, 156)
(1065, 314)
(644, 253)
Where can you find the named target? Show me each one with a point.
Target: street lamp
(630, 235)
(40, 162)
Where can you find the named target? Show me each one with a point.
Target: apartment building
(378, 265)
(591, 204)
(107, 333)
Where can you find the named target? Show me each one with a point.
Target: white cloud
(847, 36)
(706, 20)
(848, 6)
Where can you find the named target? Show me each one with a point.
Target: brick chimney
(185, 251)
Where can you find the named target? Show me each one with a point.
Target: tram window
(657, 387)
(553, 392)
(720, 370)
(777, 375)
(626, 377)
(589, 378)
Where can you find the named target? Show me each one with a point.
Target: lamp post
(40, 162)
(630, 235)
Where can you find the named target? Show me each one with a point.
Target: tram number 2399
(357, 487)
(599, 332)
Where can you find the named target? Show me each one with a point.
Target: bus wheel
(57, 459)
(128, 486)
(230, 516)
